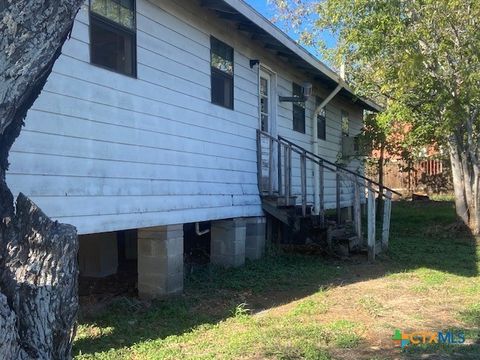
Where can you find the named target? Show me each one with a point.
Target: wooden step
(286, 214)
(309, 210)
(284, 201)
(354, 243)
(280, 201)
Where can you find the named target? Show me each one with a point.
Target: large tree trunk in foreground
(38, 266)
(39, 281)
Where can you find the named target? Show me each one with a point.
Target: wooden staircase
(295, 201)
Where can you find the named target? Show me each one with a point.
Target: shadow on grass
(424, 235)
(211, 295)
(128, 321)
(427, 234)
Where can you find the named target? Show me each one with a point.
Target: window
(321, 122)
(221, 65)
(264, 103)
(345, 123)
(112, 35)
(298, 110)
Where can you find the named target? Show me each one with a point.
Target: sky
(268, 11)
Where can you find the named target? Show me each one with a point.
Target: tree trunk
(466, 185)
(458, 182)
(475, 211)
(38, 257)
(467, 178)
(39, 282)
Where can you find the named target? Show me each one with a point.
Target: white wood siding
(104, 151)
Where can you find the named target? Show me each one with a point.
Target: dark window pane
(297, 90)
(321, 121)
(222, 89)
(112, 47)
(321, 127)
(221, 56)
(128, 4)
(298, 118)
(298, 110)
(118, 11)
(356, 144)
(221, 62)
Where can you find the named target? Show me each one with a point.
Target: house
(147, 130)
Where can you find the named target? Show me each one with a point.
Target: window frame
(295, 107)
(111, 25)
(223, 74)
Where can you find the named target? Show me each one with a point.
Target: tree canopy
(420, 59)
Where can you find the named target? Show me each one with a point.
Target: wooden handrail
(283, 187)
(308, 155)
(289, 148)
(281, 138)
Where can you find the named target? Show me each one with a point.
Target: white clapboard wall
(104, 151)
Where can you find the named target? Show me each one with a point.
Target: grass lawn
(305, 307)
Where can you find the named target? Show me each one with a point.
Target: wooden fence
(426, 176)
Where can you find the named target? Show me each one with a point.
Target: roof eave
(263, 23)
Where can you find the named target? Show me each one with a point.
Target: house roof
(250, 21)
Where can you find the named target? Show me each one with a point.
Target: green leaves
(421, 55)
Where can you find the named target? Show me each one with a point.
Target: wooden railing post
(322, 192)
(371, 224)
(279, 168)
(270, 166)
(259, 162)
(357, 212)
(387, 209)
(303, 180)
(288, 173)
(339, 214)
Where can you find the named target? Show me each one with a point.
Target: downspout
(316, 169)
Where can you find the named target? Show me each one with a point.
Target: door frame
(273, 100)
(273, 110)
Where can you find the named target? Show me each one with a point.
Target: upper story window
(345, 123)
(112, 35)
(321, 122)
(298, 110)
(221, 65)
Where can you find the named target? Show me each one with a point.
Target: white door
(267, 124)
